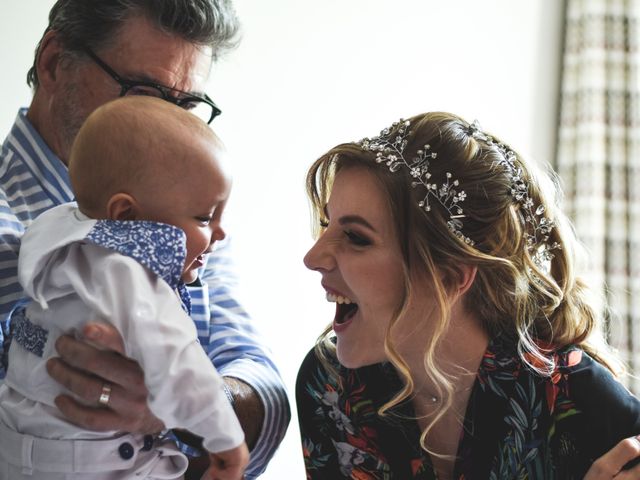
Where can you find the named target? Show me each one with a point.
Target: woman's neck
(458, 356)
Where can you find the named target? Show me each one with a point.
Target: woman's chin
(349, 360)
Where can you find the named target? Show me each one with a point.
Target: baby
(150, 191)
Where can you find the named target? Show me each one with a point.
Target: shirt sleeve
(184, 389)
(235, 347)
(11, 230)
(611, 412)
(326, 433)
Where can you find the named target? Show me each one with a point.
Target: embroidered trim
(157, 246)
(183, 293)
(29, 336)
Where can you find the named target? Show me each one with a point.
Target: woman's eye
(324, 223)
(357, 239)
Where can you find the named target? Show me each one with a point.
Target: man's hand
(85, 366)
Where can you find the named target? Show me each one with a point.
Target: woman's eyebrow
(355, 219)
(349, 219)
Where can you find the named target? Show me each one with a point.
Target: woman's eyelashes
(357, 238)
(352, 236)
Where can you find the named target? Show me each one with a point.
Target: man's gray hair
(95, 23)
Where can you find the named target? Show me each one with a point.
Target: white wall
(309, 75)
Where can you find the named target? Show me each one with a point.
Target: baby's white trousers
(128, 457)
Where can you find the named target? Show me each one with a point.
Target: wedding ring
(105, 395)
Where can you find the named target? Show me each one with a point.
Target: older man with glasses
(94, 51)
(197, 103)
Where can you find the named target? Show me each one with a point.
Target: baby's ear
(122, 206)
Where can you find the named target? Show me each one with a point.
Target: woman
(464, 345)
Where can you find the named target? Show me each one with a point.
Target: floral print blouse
(518, 424)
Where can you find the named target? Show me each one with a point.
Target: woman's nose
(320, 257)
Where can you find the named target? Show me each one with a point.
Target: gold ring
(105, 395)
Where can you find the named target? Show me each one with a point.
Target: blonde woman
(464, 343)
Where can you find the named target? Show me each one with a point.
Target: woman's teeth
(338, 299)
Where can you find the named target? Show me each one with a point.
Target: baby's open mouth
(345, 308)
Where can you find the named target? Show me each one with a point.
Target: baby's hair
(128, 144)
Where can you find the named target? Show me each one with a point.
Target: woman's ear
(467, 274)
(122, 206)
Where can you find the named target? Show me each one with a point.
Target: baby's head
(142, 158)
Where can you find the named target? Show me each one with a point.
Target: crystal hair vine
(389, 147)
(540, 250)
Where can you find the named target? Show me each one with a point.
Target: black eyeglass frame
(127, 84)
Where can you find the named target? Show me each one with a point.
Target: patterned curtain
(598, 156)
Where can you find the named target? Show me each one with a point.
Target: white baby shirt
(126, 274)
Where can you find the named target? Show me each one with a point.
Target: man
(94, 51)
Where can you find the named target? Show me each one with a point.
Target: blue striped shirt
(33, 179)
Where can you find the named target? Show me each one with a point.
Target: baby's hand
(228, 465)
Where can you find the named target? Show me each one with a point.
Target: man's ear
(48, 60)
(122, 206)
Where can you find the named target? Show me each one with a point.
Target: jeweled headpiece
(389, 148)
(537, 240)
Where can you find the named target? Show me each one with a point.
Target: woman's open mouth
(345, 308)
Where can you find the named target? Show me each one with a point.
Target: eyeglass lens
(201, 109)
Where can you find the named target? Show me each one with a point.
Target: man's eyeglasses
(200, 105)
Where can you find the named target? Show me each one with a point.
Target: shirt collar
(45, 166)
(159, 247)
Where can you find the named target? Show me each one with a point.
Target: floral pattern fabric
(30, 336)
(518, 424)
(158, 246)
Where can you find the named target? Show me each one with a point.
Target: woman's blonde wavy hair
(538, 309)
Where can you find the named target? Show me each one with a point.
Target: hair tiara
(389, 147)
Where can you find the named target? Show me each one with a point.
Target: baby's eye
(204, 220)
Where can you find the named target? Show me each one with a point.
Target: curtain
(598, 156)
